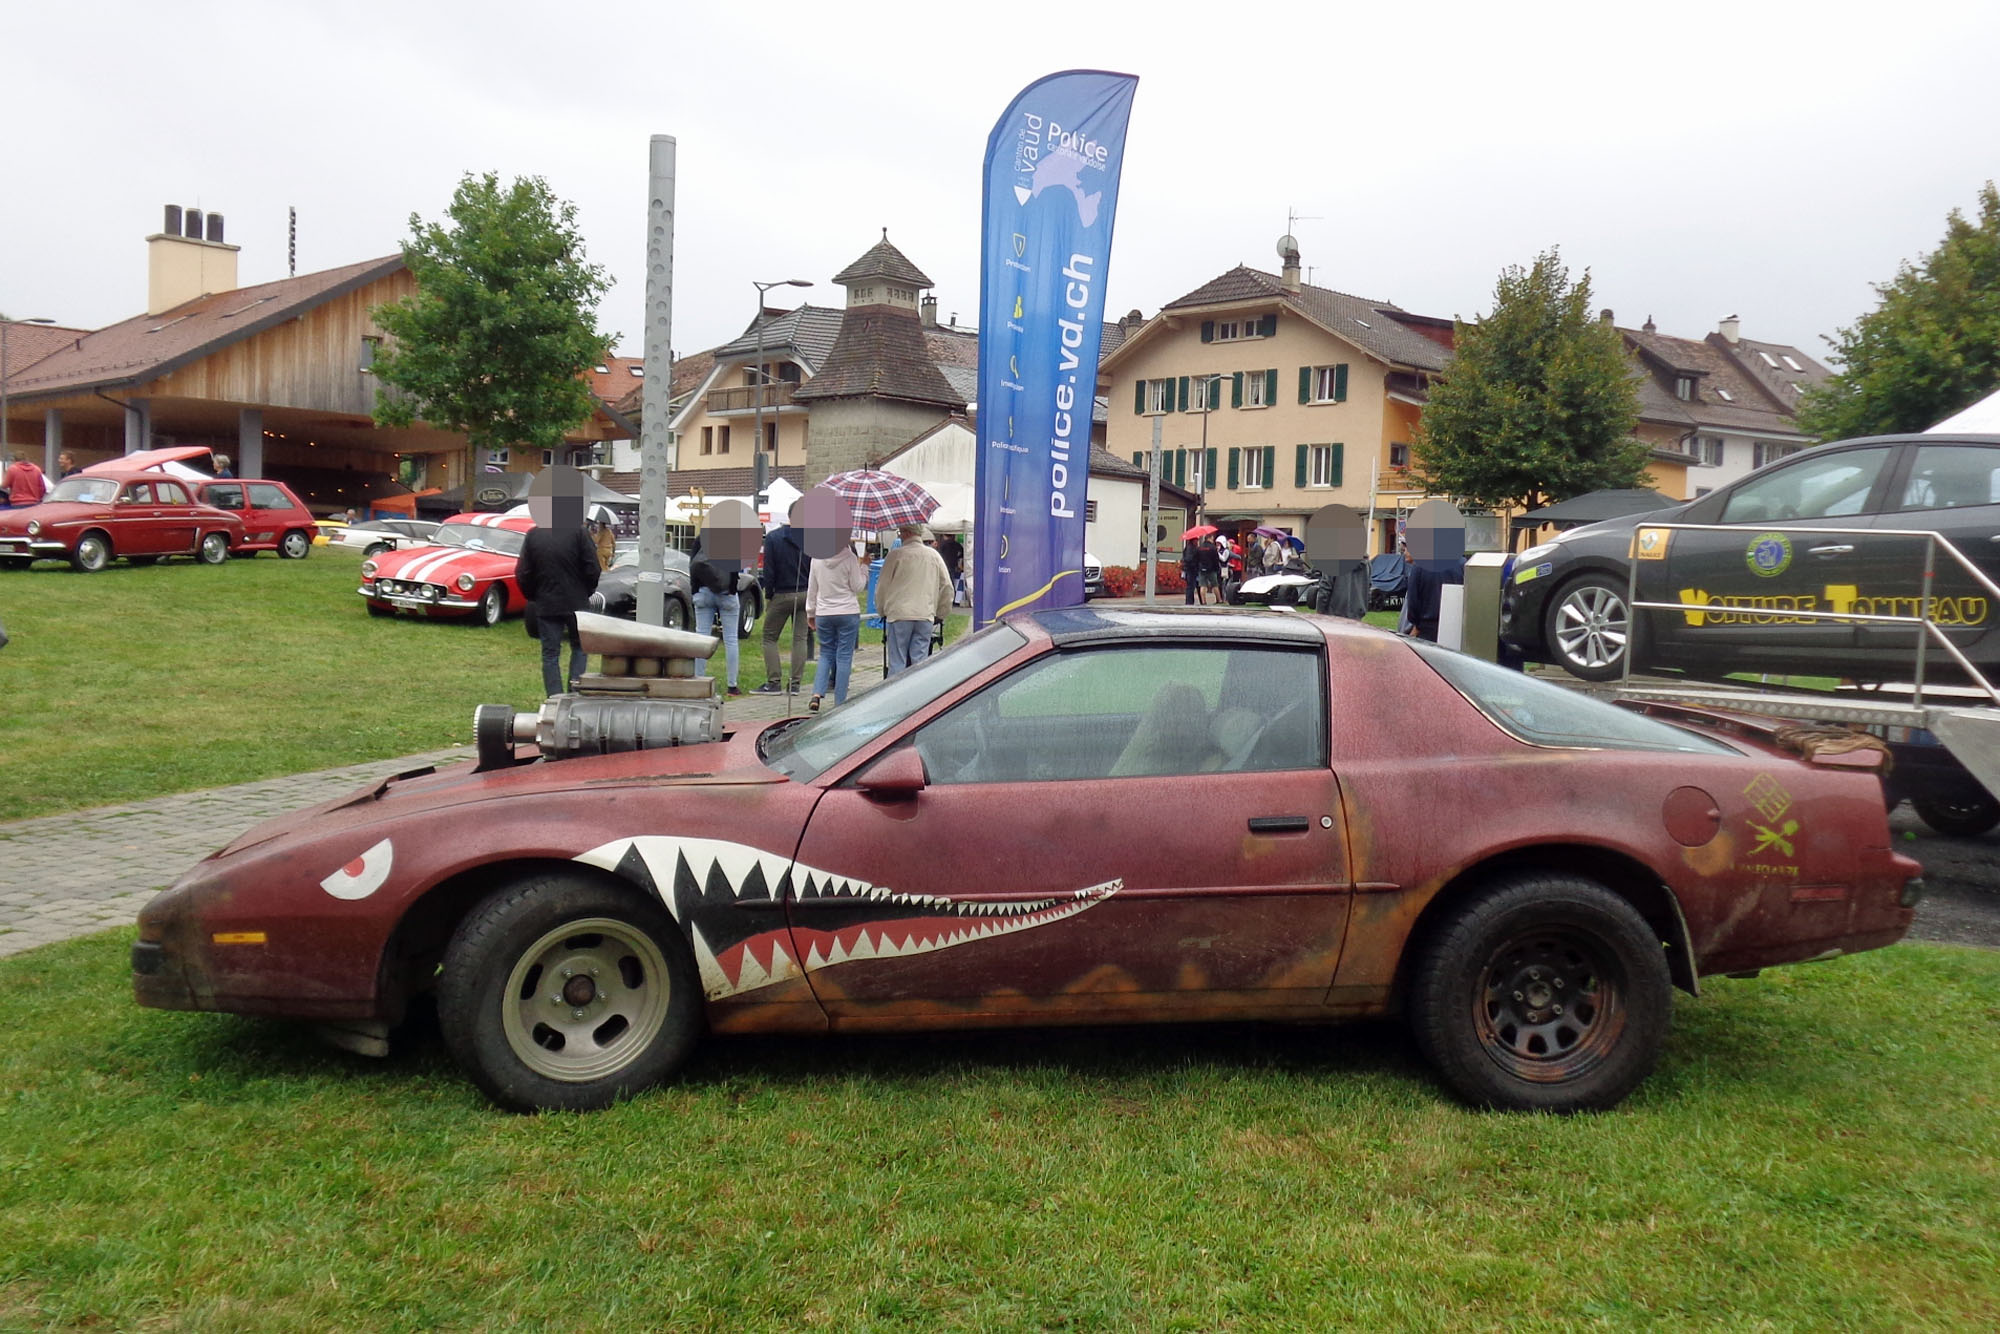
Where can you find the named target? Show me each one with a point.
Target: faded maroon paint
(1207, 920)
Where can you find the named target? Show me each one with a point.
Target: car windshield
(1548, 715)
(479, 537)
(807, 750)
(88, 490)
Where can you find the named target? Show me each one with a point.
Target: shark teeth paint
(362, 876)
(706, 884)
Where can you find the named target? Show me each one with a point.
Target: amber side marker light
(238, 938)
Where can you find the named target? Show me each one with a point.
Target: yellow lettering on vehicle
(1702, 608)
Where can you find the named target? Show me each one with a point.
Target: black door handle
(1280, 824)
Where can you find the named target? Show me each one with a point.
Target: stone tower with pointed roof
(879, 388)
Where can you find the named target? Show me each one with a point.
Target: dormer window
(1684, 387)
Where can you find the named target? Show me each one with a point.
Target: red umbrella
(1199, 530)
(882, 499)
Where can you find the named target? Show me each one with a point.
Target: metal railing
(1926, 628)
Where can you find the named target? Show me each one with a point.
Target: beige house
(1276, 397)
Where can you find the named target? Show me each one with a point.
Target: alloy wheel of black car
(750, 606)
(1589, 628)
(1967, 817)
(294, 545)
(677, 615)
(93, 552)
(493, 606)
(565, 993)
(1545, 993)
(214, 549)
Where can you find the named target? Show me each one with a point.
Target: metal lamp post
(7, 426)
(757, 371)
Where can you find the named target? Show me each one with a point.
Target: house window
(1194, 477)
(1253, 470)
(1399, 456)
(1329, 384)
(1159, 396)
(1793, 363)
(1254, 389)
(370, 345)
(1322, 465)
(1769, 451)
(1090, 511)
(548, 458)
(770, 437)
(1709, 449)
(708, 439)
(1200, 392)
(1684, 387)
(722, 439)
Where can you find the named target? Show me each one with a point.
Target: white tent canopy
(1982, 418)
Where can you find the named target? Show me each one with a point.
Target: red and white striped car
(467, 569)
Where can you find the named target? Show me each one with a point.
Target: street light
(757, 371)
(6, 426)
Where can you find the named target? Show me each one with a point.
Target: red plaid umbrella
(882, 499)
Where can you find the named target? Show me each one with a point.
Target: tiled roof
(964, 381)
(1104, 461)
(29, 343)
(147, 346)
(1371, 325)
(689, 372)
(1727, 395)
(620, 376)
(884, 261)
(811, 331)
(881, 354)
(952, 346)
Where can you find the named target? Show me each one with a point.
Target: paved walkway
(83, 871)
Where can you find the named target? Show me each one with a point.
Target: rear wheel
(93, 552)
(1967, 817)
(375, 549)
(294, 545)
(1544, 993)
(1588, 628)
(566, 993)
(751, 606)
(214, 549)
(677, 614)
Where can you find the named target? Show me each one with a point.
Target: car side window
(1112, 711)
(138, 493)
(1811, 488)
(267, 497)
(1945, 477)
(171, 493)
(226, 497)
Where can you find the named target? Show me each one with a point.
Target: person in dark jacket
(786, 569)
(558, 571)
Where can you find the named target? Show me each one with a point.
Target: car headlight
(34, 527)
(1533, 554)
(465, 582)
(367, 569)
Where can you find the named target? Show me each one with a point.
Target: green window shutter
(1339, 462)
(1340, 383)
(1301, 479)
(1267, 325)
(1180, 467)
(1270, 465)
(1208, 331)
(1235, 466)
(1139, 460)
(1183, 394)
(1271, 386)
(1305, 384)
(1236, 393)
(1139, 403)
(1208, 469)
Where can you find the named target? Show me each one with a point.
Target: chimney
(928, 306)
(186, 259)
(1604, 316)
(1649, 326)
(1288, 251)
(1729, 329)
(1133, 319)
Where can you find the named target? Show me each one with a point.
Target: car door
(230, 496)
(1772, 561)
(138, 524)
(178, 516)
(1951, 488)
(270, 513)
(1110, 829)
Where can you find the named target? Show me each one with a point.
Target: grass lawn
(1819, 1150)
(133, 682)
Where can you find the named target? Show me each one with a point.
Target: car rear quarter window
(1944, 477)
(267, 497)
(1542, 714)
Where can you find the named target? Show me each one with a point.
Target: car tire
(1967, 817)
(213, 549)
(374, 549)
(1487, 999)
(749, 607)
(93, 552)
(1588, 628)
(379, 609)
(493, 607)
(294, 545)
(677, 614)
(535, 1037)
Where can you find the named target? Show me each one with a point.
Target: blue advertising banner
(1052, 167)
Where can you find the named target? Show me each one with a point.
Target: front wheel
(93, 553)
(493, 606)
(214, 549)
(564, 994)
(1589, 628)
(294, 545)
(750, 606)
(677, 614)
(1544, 993)
(1968, 817)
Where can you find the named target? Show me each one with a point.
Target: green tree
(1538, 403)
(1929, 349)
(502, 325)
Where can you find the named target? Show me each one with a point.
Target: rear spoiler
(1825, 745)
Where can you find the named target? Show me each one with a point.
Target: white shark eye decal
(362, 876)
(702, 880)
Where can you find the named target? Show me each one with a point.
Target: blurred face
(827, 522)
(731, 536)
(1337, 539)
(1435, 535)
(555, 499)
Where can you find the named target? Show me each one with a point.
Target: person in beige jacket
(834, 591)
(911, 594)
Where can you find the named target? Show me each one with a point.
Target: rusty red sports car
(466, 569)
(1086, 816)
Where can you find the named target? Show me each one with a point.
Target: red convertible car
(91, 519)
(1081, 816)
(467, 569)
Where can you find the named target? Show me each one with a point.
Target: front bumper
(32, 546)
(416, 602)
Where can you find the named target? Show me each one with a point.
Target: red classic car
(1077, 816)
(467, 569)
(91, 519)
(273, 518)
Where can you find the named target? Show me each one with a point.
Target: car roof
(1067, 624)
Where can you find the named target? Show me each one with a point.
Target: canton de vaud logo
(1049, 157)
(1770, 554)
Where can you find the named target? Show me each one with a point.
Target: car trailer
(1945, 741)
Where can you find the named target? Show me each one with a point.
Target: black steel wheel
(565, 993)
(214, 549)
(93, 552)
(493, 606)
(1544, 993)
(677, 614)
(1966, 817)
(1588, 628)
(294, 545)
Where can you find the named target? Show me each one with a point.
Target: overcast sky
(1701, 160)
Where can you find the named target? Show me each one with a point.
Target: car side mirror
(900, 773)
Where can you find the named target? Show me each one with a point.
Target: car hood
(1615, 534)
(440, 565)
(66, 511)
